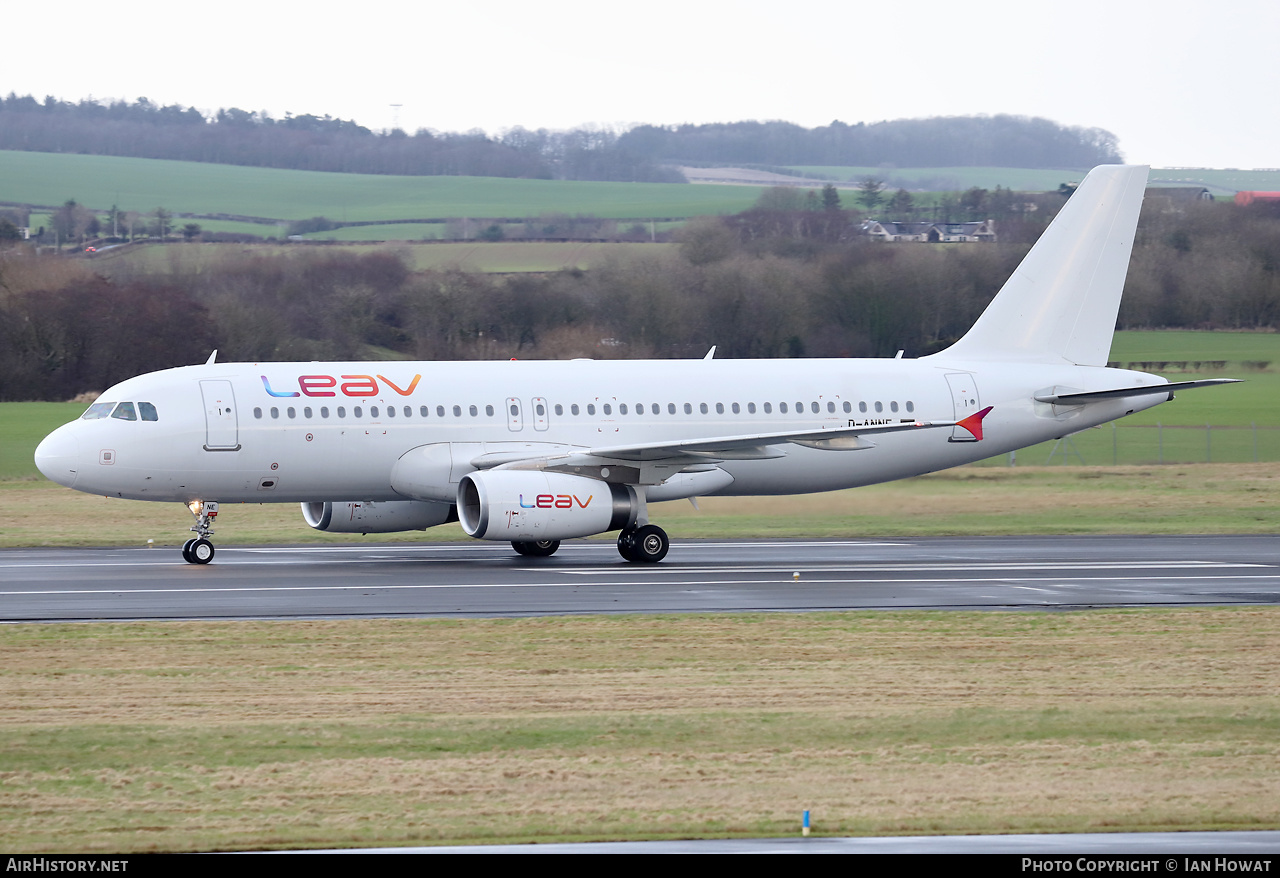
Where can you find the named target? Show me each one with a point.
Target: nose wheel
(644, 545)
(198, 549)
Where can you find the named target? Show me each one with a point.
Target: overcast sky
(1180, 83)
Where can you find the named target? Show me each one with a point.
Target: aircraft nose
(58, 457)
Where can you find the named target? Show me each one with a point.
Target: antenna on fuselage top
(711, 353)
(213, 356)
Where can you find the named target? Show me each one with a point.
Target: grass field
(249, 735)
(192, 187)
(434, 231)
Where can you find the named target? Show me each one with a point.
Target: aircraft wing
(756, 445)
(652, 463)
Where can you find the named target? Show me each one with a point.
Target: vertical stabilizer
(1060, 304)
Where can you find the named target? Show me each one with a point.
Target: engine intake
(524, 505)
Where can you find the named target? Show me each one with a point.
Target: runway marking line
(619, 569)
(710, 582)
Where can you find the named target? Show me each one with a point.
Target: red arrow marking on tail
(973, 423)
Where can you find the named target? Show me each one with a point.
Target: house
(930, 232)
(1179, 194)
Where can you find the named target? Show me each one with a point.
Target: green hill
(49, 179)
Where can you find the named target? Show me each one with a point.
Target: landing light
(195, 506)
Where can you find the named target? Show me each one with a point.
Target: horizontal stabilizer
(1082, 397)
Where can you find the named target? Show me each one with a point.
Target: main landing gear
(647, 544)
(536, 548)
(644, 545)
(198, 549)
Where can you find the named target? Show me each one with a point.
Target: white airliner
(539, 452)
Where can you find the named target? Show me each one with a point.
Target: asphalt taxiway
(587, 576)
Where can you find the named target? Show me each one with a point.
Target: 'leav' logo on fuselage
(352, 385)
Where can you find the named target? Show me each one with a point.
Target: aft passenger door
(221, 428)
(965, 399)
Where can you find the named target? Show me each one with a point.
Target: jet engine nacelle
(523, 505)
(367, 517)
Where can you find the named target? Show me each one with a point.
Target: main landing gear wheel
(644, 545)
(198, 551)
(536, 548)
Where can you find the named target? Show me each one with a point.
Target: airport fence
(1113, 444)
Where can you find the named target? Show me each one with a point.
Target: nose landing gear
(198, 549)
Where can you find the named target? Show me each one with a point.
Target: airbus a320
(538, 452)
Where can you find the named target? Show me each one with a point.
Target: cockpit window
(125, 412)
(148, 411)
(98, 410)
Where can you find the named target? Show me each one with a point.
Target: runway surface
(488, 579)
